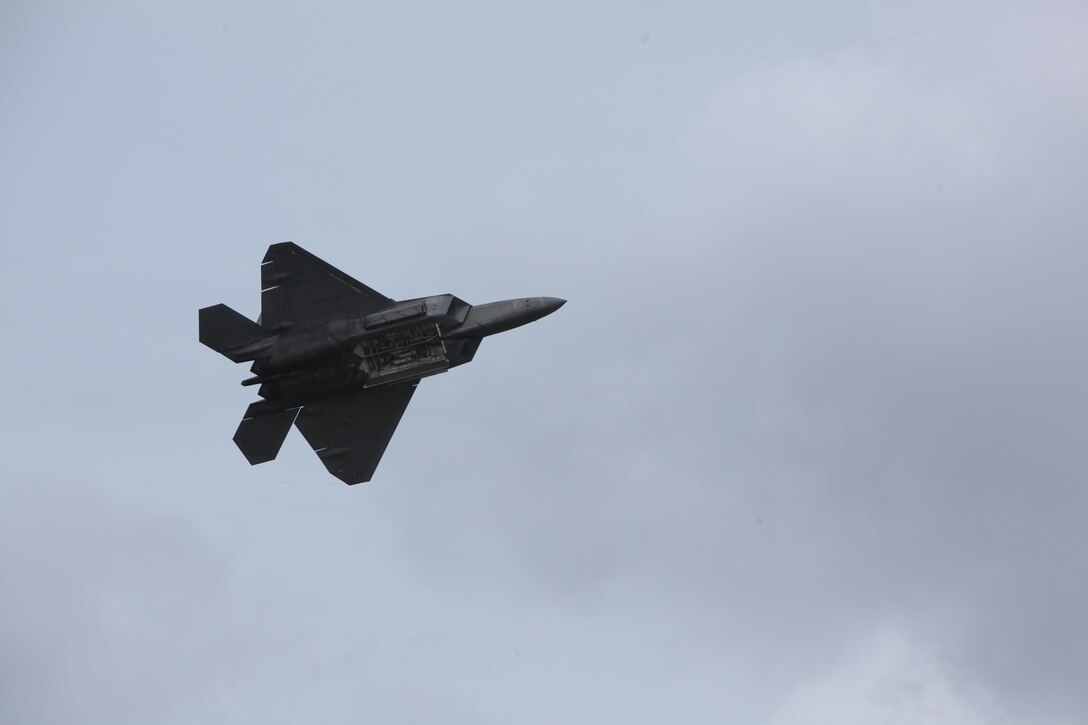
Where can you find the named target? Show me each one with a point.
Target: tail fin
(229, 333)
(259, 437)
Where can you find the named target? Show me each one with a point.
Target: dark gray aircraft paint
(340, 360)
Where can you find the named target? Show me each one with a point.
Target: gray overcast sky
(805, 447)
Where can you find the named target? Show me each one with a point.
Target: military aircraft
(340, 360)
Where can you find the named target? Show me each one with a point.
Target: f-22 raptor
(341, 361)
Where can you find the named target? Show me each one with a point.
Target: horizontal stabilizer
(260, 437)
(232, 334)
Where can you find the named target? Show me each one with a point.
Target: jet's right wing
(301, 290)
(350, 434)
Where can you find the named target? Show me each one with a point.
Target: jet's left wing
(301, 290)
(350, 434)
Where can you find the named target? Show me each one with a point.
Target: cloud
(891, 679)
(855, 396)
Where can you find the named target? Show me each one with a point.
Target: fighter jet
(341, 361)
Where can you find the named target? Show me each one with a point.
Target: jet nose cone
(551, 304)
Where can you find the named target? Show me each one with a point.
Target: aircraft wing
(350, 434)
(303, 291)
